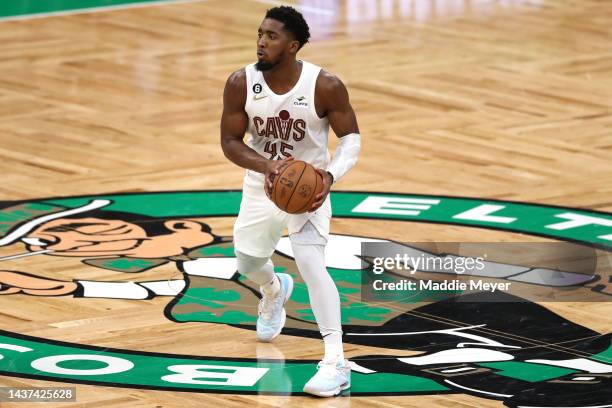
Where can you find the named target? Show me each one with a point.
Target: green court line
(12, 9)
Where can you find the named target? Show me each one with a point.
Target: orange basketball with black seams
(295, 188)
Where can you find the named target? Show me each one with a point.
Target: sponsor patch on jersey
(300, 101)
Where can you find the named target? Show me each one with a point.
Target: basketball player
(287, 106)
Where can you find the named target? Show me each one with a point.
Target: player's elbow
(229, 145)
(352, 143)
(226, 146)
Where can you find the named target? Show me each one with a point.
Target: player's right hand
(273, 168)
(12, 282)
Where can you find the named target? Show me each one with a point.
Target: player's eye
(36, 241)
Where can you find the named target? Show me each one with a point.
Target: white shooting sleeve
(345, 156)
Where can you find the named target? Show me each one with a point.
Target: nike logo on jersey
(258, 97)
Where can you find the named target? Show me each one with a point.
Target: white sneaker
(330, 380)
(272, 314)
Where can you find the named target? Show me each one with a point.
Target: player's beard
(264, 65)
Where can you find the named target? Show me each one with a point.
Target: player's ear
(294, 46)
(182, 225)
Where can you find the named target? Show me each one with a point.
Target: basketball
(295, 188)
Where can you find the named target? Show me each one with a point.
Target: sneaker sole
(284, 318)
(331, 393)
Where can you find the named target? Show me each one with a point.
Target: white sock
(333, 347)
(271, 288)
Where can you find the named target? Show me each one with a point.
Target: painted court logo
(513, 350)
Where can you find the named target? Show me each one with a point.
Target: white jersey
(285, 125)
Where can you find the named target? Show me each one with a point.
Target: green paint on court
(531, 372)
(14, 8)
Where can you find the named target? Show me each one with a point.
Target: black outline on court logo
(51, 378)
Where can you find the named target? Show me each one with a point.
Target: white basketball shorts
(260, 224)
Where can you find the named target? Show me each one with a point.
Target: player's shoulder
(235, 92)
(237, 79)
(329, 88)
(326, 81)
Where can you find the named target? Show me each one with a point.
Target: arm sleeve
(345, 156)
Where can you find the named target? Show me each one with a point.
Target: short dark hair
(293, 20)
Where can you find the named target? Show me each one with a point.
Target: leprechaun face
(95, 237)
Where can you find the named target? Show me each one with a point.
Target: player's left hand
(320, 198)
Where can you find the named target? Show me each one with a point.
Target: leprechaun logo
(512, 350)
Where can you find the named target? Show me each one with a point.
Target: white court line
(97, 9)
(478, 391)
(43, 251)
(310, 9)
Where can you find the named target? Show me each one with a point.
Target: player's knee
(248, 264)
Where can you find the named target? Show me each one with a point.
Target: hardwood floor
(507, 100)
